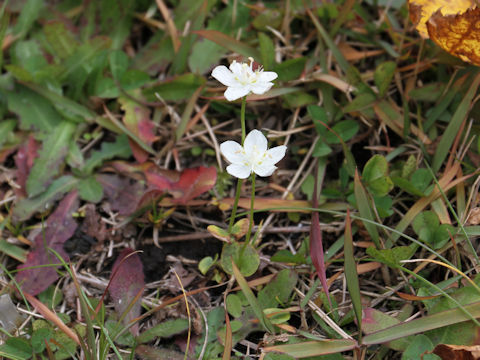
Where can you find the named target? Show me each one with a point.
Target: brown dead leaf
(457, 352)
(93, 225)
(474, 216)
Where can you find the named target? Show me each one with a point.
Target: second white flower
(253, 156)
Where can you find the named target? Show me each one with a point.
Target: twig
(325, 317)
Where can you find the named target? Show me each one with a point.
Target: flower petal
(265, 76)
(233, 152)
(236, 68)
(225, 76)
(260, 88)
(255, 141)
(275, 154)
(264, 170)
(234, 93)
(239, 171)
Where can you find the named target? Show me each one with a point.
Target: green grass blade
(313, 348)
(363, 205)
(430, 322)
(187, 113)
(451, 131)
(351, 274)
(252, 300)
(13, 251)
(331, 45)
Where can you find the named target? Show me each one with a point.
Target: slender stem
(252, 203)
(242, 118)
(240, 181)
(235, 205)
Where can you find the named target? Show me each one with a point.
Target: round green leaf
(246, 261)
(234, 305)
(425, 225)
(418, 349)
(205, 264)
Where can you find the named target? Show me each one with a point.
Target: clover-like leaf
(375, 174)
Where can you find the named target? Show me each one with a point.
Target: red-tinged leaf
(138, 153)
(137, 120)
(146, 130)
(193, 183)
(161, 179)
(183, 186)
(24, 162)
(60, 226)
(316, 245)
(123, 194)
(126, 286)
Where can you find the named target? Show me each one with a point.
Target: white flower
(241, 79)
(253, 156)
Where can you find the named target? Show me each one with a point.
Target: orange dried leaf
(452, 25)
(422, 10)
(457, 34)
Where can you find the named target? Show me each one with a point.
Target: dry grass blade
(188, 314)
(51, 316)
(170, 24)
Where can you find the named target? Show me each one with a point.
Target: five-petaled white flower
(253, 156)
(242, 79)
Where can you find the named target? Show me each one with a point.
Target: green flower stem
(242, 118)
(252, 203)
(240, 181)
(235, 205)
